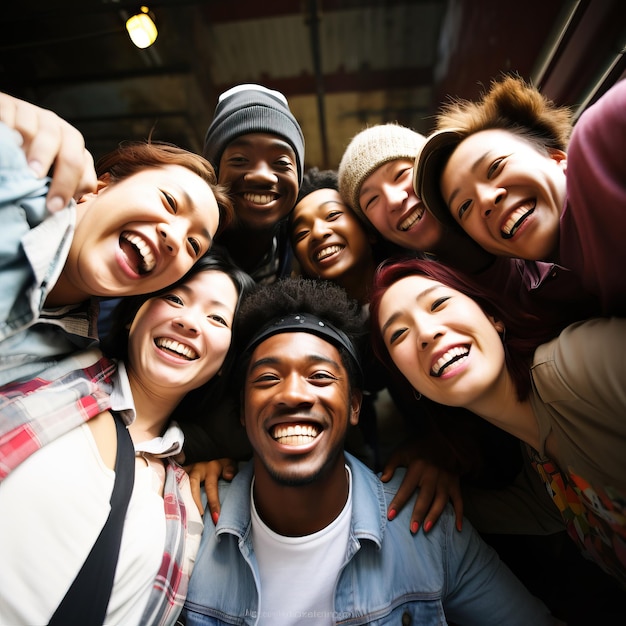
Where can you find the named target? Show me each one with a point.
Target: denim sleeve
(22, 206)
(482, 590)
(18, 185)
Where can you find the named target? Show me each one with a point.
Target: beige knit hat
(368, 150)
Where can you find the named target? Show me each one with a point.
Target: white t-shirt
(299, 574)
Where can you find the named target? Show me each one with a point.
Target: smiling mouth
(324, 253)
(416, 216)
(516, 219)
(452, 356)
(137, 248)
(260, 198)
(295, 434)
(176, 348)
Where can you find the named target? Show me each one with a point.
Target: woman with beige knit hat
(376, 180)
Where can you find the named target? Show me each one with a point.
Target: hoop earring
(417, 395)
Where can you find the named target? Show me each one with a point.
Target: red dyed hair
(524, 332)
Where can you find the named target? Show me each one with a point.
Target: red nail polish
(215, 516)
(427, 526)
(415, 526)
(392, 513)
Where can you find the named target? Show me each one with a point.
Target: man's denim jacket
(33, 249)
(389, 577)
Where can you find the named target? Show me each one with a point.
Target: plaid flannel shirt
(35, 413)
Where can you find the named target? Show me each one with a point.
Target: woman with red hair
(564, 397)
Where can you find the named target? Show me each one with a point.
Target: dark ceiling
(343, 64)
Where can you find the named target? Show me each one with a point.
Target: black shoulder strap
(87, 599)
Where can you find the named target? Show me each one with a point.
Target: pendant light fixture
(141, 28)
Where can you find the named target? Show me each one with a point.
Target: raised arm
(52, 146)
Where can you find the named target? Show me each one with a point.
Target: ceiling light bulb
(142, 29)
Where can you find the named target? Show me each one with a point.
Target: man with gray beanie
(256, 146)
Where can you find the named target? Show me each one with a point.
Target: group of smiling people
(502, 170)
(500, 292)
(513, 305)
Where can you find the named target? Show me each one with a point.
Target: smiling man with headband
(302, 535)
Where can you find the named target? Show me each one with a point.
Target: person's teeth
(326, 252)
(148, 260)
(515, 220)
(451, 356)
(259, 198)
(295, 435)
(411, 219)
(177, 347)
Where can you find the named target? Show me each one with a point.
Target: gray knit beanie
(368, 150)
(248, 109)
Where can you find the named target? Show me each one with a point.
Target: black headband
(301, 322)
